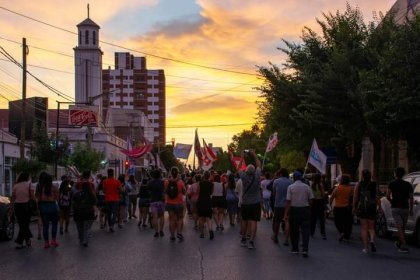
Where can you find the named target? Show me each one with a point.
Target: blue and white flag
(317, 158)
(182, 150)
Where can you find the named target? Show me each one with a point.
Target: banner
(139, 151)
(197, 149)
(208, 157)
(82, 117)
(272, 142)
(182, 150)
(317, 158)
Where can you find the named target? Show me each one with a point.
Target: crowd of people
(295, 205)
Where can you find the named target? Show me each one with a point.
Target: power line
(132, 50)
(209, 125)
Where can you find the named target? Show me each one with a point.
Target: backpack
(367, 197)
(172, 190)
(64, 199)
(82, 200)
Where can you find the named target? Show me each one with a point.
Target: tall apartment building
(132, 86)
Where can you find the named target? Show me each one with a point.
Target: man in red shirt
(112, 189)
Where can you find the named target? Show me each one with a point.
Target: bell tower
(88, 62)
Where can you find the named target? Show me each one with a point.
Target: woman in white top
(218, 202)
(21, 194)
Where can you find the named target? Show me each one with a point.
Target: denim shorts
(157, 207)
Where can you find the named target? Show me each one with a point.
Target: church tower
(88, 63)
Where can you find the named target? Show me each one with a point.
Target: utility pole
(25, 52)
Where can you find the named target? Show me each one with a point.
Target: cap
(297, 174)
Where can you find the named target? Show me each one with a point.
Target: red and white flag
(236, 160)
(208, 157)
(272, 142)
(197, 149)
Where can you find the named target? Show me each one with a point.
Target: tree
(33, 167)
(85, 158)
(292, 160)
(316, 93)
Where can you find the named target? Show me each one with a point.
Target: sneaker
(139, 224)
(85, 244)
(365, 251)
(180, 237)
(111, 229)
(61, 231)
(275, 239)
(397, 244)
(156, 234)
(251, 245)
(46, 245)
(372, 247)
(294, 252)
(39, 237)
(286, 243)
(161, 234)
(172, 238)
(324, 237)
(211, 235)
(54, 243)
(403, 250)
(217, 228)
(221, 227)
(305, 254)
(120, 226)
(243, 242)
(202, 235)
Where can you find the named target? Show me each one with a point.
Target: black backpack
(82, 200)
(172, 190)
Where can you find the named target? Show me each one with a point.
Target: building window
(80, 37)
(87, 37)
(94, 38)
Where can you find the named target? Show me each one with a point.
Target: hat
(297, 174)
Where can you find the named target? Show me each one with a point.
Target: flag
(272, 142)
(208, 157)
(138, 151)
(182, 150)
(197, 149)
(317, 158)
(236, 160)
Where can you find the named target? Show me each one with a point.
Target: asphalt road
(133, 253)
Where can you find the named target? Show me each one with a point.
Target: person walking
(157, 202)
(132, 197)
(218, 201)
(318, 206)
(266, 194)
(47, 195)
(21, 194)
(280, 186)
(251, 201)
(112, 189)
(343, 218)
(144, 203)
(64, 203)
(84, 201)
(204, 205)
(174, 200)
(192, 194)
(400, 193)
(297, 213)
(232, 199)
(365, 204)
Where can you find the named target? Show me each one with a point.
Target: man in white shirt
(298, 201)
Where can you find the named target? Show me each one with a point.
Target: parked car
(385, 225)
(7, 222)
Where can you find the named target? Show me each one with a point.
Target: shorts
(144, 202)
(251, 212)
(157, 207)
(400, 216)
(178, 209)
(279, 214)
(219, 202)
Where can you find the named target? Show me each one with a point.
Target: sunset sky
(207, 41)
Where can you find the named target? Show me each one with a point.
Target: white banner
(317, 158)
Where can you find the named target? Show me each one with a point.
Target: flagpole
(194, 160)
(265, 154)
